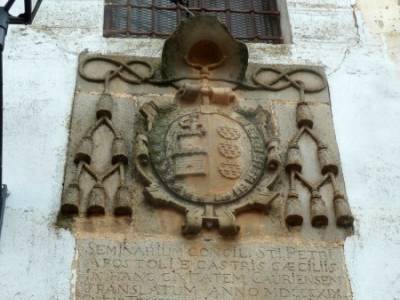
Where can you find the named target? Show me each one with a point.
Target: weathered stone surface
(224, 187)
(167, 268)
(281, 109)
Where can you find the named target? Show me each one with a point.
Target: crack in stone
(348, 49)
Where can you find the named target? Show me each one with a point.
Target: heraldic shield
(206, 153)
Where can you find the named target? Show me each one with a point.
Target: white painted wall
(346, 37)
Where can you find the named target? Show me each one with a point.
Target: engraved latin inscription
(169, 270)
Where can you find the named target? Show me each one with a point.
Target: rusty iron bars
(26, 18)
(253, 20)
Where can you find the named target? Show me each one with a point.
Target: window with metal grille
(248, 20)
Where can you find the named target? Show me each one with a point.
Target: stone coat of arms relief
(215, 147)
(199, 175)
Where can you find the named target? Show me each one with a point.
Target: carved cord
(126, 72)
(98, 202)
(329, 171)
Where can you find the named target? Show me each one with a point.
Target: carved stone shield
(205, 155)
(208, 156)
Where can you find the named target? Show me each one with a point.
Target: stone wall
(355, 42)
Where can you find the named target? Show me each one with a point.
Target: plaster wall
(346, 37)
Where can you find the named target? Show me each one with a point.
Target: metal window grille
(248, 20)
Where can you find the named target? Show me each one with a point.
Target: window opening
(250, 20)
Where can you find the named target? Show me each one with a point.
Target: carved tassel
(303, 115)
(227, 226)
(344, 217)
(142, 149)
(222, 95)
(122, 202)
(273, 157)
(119, 151)
(319, 216)
(294, 159)
(193, 223)
(327, 163)
(104, 106)
(97, 200)
(189, 92)
(293, 210)
(84, 151)
(71, 199)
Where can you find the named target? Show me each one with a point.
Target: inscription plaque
(161, 269)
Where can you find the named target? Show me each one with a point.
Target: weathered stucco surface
(382, 20)
(355, 42)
